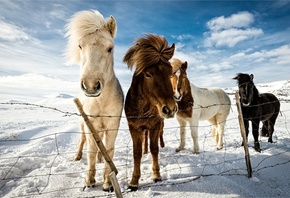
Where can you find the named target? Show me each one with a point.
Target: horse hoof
(77, 157)
(219, 148)
(257, 147)
(157, 180)
(88, 187)
(195, 151)
(133, 188)
(270, 140)
(110, 189)
(177, 150)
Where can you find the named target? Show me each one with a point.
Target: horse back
(209, 102)
(269, 103)
(263, 108)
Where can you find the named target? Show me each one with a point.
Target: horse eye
(80, 46)
(148, 75)
(110, 49)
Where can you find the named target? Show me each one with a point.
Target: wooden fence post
(243, 133)
(102, 148)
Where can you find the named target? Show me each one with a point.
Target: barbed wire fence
(175, 167)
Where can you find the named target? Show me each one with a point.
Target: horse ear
(251, 77)
(237, 77)
(111, 26)
(184, 65)
(172, 48)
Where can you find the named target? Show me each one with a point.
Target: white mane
(81, 24)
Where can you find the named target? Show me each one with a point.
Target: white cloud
(182, 37)
(278, 57)
(231, 37)
(232, 30)
(9, 32)
(239, 20)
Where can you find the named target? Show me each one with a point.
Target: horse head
(91, 45)
(179, 78)
(246, 88)
(150, 56)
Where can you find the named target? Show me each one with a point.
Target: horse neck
(256, 92)
(256, 95)
(186, 103)
(138, 97)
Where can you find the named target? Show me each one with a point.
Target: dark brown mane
(147, 52)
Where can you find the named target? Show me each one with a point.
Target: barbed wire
(7, 173)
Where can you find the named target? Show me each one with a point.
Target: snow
(39, 133)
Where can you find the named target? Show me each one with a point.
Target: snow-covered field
(39, 134)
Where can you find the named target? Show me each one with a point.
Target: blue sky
(217, 38)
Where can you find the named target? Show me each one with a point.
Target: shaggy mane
(176, 64)
(81, 24)
(147, 52)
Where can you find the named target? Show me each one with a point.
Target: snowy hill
(39, 134)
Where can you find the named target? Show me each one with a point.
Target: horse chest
(185, 107)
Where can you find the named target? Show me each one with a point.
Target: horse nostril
(83, 86)
(98, 86)
(166, 110)
(175, 109)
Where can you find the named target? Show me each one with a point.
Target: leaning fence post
(243, 133)
(102, 148)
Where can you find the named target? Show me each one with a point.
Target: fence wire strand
(180, 178)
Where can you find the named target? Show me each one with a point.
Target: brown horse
(149, 99)
(195, 104)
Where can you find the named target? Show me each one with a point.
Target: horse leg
(265, 128)
(214, 129)
(162, 144)
(110, 147)
(182, 131)
(145, 142)
(272, 122)
(154, 148)
(100, 158)
(255, 131)
(82, 141)
(194, 136)
(221, 129)
(91, 155)
(137, 155)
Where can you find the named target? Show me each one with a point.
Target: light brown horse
(149, 99)
(91, 45)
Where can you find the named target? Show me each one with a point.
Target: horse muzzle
(169, 113)
(177, 97)
(92, 90)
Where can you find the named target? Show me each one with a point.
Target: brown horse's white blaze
(196, 104)
(149, 99)
(91, 45)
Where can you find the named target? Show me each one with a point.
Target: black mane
(246, 78)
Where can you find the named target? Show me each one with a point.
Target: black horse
(257, 107)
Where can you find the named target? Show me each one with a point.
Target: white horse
(196, 104)
(91, 45)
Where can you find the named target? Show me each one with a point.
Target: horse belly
(208, 112)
